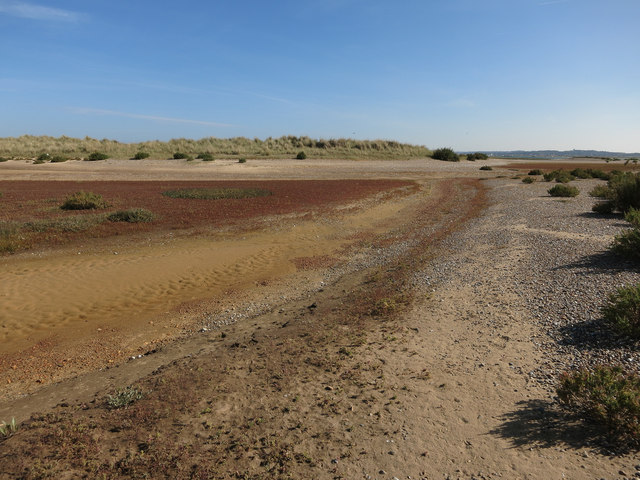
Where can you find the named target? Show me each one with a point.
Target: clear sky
(467, 74)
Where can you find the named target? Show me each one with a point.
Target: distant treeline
(28, 146)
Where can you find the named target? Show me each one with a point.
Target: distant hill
(558, 154)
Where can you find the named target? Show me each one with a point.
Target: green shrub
(627, 243)
(560, 176)
(633, 217)
(472, 157)
(445, 154)
(123, 398)
(141, 155)
(622, 310)
(58, 159)
(486, 167)
(625, 191)
(8, 429)
(37, 161)
(600, 191)
(242, 160)
(301, 156)
(43, 157)
(528, 180)
(606, 395)
(206, 157)
(3, 159)
(537, 171)
(563, 191)
(84, 201)
(603, 207)
(180, 156)
(133, 215)
(216, 193)
(95, 156)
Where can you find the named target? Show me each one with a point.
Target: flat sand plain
(380, 339)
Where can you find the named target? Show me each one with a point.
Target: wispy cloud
(95, 111)
(37, 12)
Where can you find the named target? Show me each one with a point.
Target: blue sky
(469, 74)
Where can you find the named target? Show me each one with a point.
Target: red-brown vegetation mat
(26, 201)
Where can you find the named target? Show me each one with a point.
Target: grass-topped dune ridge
(28, 146)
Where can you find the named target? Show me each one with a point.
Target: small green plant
(58, 159)
(606, 395)
(180, 156)
(528, 180)
(622, 310)
(472, 157)
(3, 159)
(301, 156)
(141, 155)
(43, 157)
(560, 176)
(603, 207)
(599, 191)
(84, 201)
(7, 429)
(133, 215)
(486, 167)
(206, 157)
(563, 191)
(123, 398)
(445, 154)
(537, 171)
(217, 193)
(95, 156)
(242, 160)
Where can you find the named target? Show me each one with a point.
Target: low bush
(141, 155)
(3, 159)
(95, 156)
(528, 180)
(180, 156)
(123, 398)
(133, 215)
(486, 167)
(445, 154)
(84, 201)
(217, 193)
(301, 156)
(606, 395)
(472, 157)
(633, 217)
(622, 310)
(600, 191)
(206, 157)
(603, 207)
(560, 176)
(242, 160)
(43, 157)
(58, 159)
(537, 171)
(563, 191)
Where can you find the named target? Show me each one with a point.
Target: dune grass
(29, 147)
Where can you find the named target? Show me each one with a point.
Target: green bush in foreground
(606, 395)
(43, 157)
(627, 244)
(58, 159)
(528, 180)
(84, 201)
(486, 167)
(537, 171)
(301, 156)
(445, 154)
(563, 191)
(123, 398)
(3, 159)
(622, 310)
(180, 156)
(95, 156)
(133, 215)
(216, 193)
(242, 160)
(141, 155)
